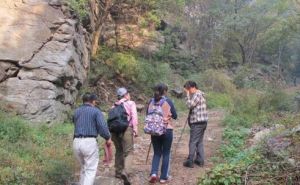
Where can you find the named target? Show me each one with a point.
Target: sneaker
(125, 179)
(188, 164)
(201, 164)
(164, 181)
(153, 178)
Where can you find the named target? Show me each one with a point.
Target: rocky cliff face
(44, 58)
(123, 30)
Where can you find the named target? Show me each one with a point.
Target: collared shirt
(89, 121)
(130, 108)
(197, 103)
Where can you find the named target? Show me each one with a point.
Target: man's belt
(85, 136)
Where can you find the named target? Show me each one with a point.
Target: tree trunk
(117, 35)
(100, 12)
(279, 60)
(95, 41)
(243, 52)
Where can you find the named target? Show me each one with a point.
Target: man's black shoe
(188, 164)
(118, 175)
(201, 164)
(125, 179)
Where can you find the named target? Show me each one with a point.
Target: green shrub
(239, 78)
(276, 100)
(180, 105)
(34, 155)
(151, 73)
(217, 59)
(58, 172)
(125, 64)
(16, 176)
(218, 100)
(245, 78)
(231, 172)
(142, 72)
(80, 7)
(246, 107)
(12, 128)
(150, 18)
(216, 81)
(223, 174)
(235, 140)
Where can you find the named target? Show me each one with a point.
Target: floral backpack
(154, 122)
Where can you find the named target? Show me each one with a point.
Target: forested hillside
(244, 54)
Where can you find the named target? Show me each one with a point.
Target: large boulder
(44, 58)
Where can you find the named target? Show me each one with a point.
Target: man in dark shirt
(89, 123)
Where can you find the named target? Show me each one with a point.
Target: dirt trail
(180, 175)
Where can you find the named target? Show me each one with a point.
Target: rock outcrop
(44, 58)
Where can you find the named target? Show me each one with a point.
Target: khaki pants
(124, 149)
(87, 153)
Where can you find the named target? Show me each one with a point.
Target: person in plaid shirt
(197, 120)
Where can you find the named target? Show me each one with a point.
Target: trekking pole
(180, 137)
(148, 152)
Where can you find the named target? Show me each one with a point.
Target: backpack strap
(149, 103)
(162, 101)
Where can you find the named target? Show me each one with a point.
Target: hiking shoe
(199, 163)
(118, 175)
(188, 164)
(125, 179)
(153, 178)
(163, 181)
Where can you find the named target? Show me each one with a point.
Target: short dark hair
(89, 97)
(86, 97)
(93, 97)
(190, 84)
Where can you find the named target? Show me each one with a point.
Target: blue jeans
(162, 147)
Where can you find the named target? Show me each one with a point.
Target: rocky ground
(180, 175)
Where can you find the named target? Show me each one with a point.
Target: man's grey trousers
(196, 142)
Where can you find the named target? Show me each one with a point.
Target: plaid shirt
(197, 103)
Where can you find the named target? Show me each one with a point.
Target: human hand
(135, 134)
(108, 142)
(187, 92)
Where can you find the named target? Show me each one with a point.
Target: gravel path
(180, 175)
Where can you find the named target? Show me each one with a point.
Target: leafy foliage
(149, 19)
(26, 152)
(128, 65)
(13, 129)
(245, 108)
(80, 7)
(218, 100)
(214, 80)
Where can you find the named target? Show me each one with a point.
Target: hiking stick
(148, 152)
(180, 137)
